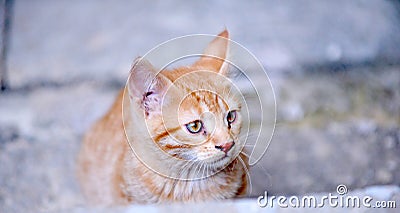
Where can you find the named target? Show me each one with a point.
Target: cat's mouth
(223, 160)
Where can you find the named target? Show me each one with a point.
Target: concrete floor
(334, 67)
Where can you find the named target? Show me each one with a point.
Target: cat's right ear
(216, 53)
(147, 87)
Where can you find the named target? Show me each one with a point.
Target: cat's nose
(226, 146)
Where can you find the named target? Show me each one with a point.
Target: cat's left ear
(146, 86)
(216, 53)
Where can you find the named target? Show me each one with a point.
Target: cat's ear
(146, 86)
(216, 53)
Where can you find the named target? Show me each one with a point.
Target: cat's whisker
(247, 174)
(245, 154)
(197, 168)
(198, 171)
(186, 169)
(194, 171)
(204, 169)
(184, 165)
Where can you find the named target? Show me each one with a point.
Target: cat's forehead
(207, 91)
(199, 102)
(203, 100)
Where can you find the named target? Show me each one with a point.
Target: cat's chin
(222, 162)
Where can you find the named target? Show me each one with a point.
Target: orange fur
(111, 174)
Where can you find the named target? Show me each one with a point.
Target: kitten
(190, 114)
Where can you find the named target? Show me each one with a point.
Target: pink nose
(225, 147)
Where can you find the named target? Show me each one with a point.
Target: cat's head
(193, 112)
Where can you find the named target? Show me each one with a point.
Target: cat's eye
(194, 126)
(231, 117)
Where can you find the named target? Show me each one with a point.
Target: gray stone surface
(342, 130)
(64, 40)
(334, 66)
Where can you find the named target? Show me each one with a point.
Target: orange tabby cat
(190, 114)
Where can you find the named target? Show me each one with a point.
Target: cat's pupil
(231, 117)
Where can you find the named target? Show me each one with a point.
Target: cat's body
(109, 171)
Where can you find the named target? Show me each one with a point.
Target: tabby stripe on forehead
(165, 134)
(198, 99)
(196, 96)
(208, 100)
(224, 105)
(218, 102)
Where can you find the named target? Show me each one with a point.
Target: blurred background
(334, 65)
